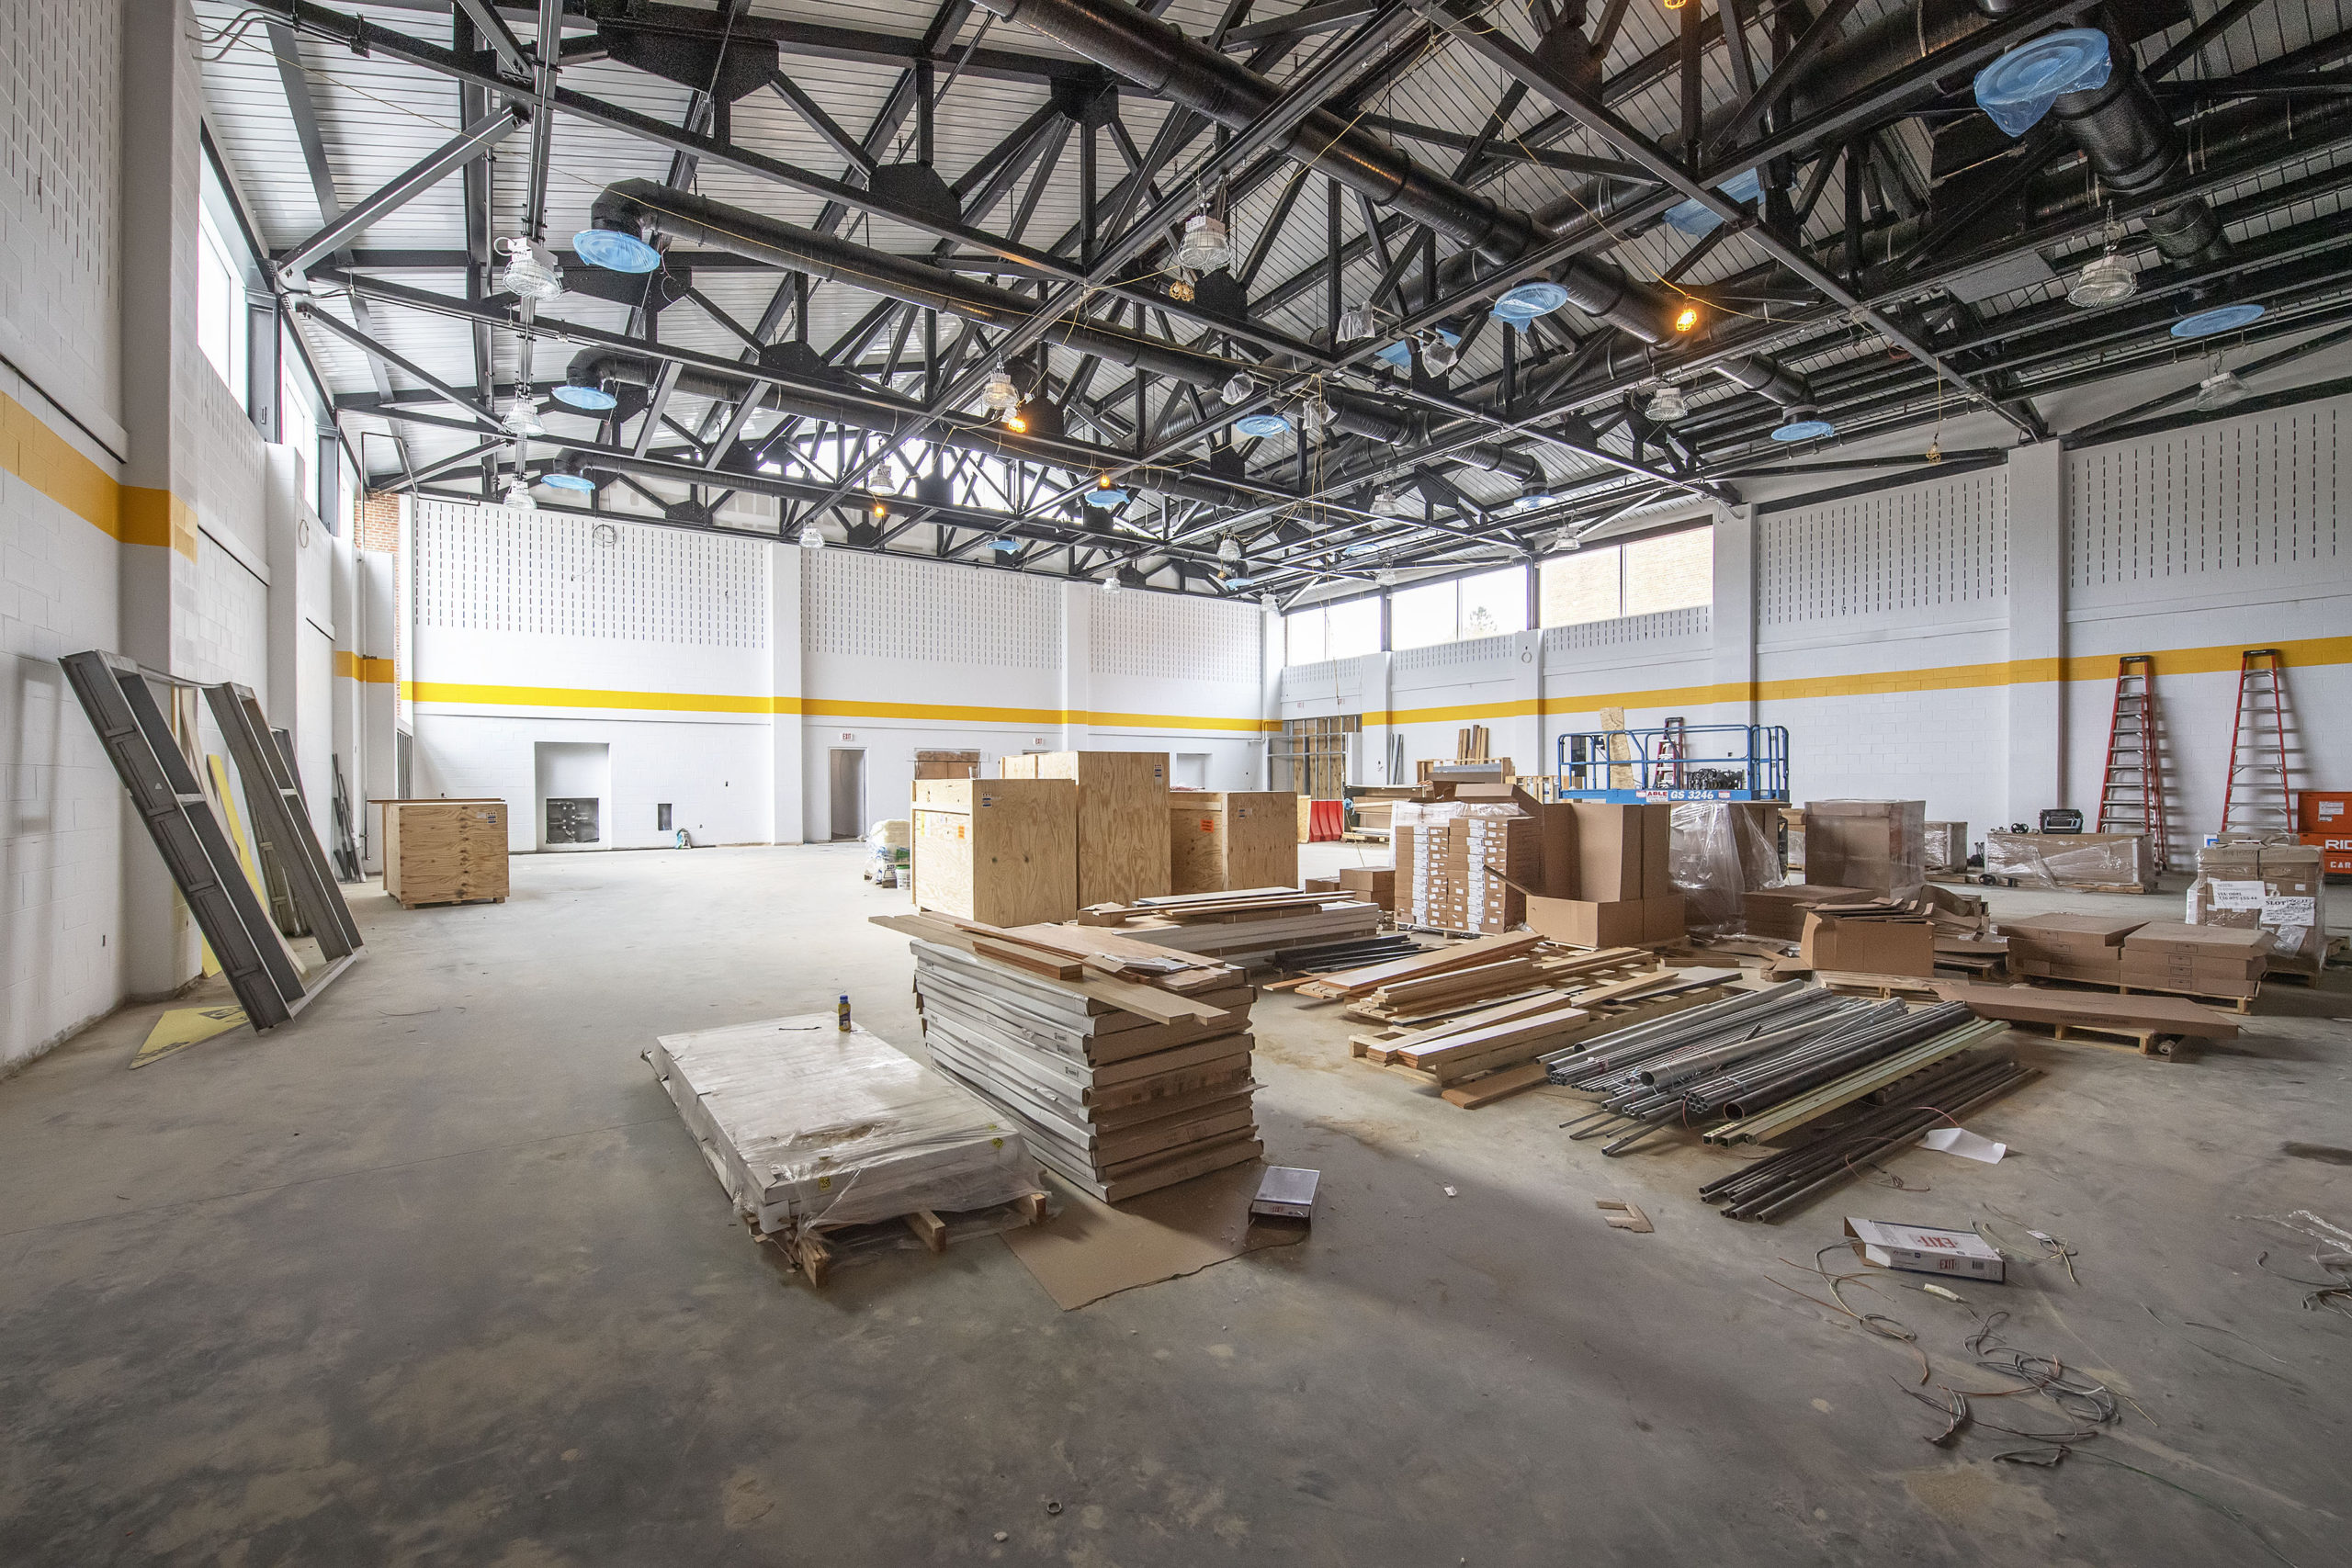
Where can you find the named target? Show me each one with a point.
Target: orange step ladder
(2131, 796)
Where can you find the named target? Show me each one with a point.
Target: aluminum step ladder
(2256, 796)
(2131, 795)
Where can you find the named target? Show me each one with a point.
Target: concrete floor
(436, 1277)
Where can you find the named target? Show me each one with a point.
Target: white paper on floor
(1966, 1145)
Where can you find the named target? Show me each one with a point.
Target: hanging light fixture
(1206, 246)
(1110, 581)
(1385, 577)
(588, 399)
(1686, 318)
(1314, 415)
(2218, 320)
(1262, 425)
(523, 418)
(519, 496)
(531, 271)
(1106, 492)
(615, 245)
(1386, 503)
(1238, 390)
(1438, 356)
(1228, 550)
(1523, 302)
(810, 538)
(1666, 405)
(1804, 424)
(1000, 395)
(885, 478)
(2106, 279)
(1356, 324)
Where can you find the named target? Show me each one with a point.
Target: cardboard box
(1371, 885)
(1779, 912)
(2097, 938)
(1922, 1249)
(1320, 885)
(1880, 845)
(1625, 923)
(1621, 852)
(1867, 947)
(2277, 887)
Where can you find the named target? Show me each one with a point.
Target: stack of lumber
(2148, 1024)
(810, 1127)
(1127, 1066)
(1478, 952)
(1476, 1057)
(1245, 927)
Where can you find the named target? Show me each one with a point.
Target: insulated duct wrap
(1155, 55)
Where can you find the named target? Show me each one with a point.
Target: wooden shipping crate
(999, 850)
(947, 765)
(1219, 842)
(444, 852)
(1121, 818)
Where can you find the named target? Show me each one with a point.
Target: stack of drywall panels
(808, 1124)
(1122, 839)
(1002, 851)
(444, 852)
(1219, 841)
(1117, 1103)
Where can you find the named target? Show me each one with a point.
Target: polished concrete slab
(437, 1276)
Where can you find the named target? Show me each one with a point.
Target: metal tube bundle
(1943, 1093)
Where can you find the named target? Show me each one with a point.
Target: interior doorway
(848, 793)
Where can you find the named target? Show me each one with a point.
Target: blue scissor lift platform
(1678, 761)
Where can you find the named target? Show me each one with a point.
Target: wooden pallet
(1904, 987)
(818, 1250)
(2232, 1004)
(2116, 1036)
(448, 903)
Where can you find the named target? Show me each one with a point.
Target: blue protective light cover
(567, 482)
(1262, 425)
(1400, 353)
(1803, 429)
(1111, 497)
(616, 251)
(1521, 303)
(1697, 217)
(595, 398)
(2018, 87)
(2220, 319)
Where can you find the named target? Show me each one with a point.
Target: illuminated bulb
(1686, 318)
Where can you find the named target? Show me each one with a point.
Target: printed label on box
(2279, 912)
(2238, 894)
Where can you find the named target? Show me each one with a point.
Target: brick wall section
(380, 521)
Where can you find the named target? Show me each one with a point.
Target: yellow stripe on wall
(133, 514)
(464, 694)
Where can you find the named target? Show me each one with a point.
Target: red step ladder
(2131, 797)
(2256, 796)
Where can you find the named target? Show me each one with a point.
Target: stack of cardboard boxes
(2273, 888)
(2070, 947)
(1584, 873)
(1456, 861)
(1621, 894)
(2206, 961)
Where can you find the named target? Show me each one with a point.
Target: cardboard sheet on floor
(1091, 1250)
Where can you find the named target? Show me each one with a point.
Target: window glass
(1574, 588)
(1494, 603)
(220, 307)
(1672, 571)
(1354, 628)
(1303, 640)
(1420, 616)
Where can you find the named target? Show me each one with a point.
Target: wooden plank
(1495, 1085)
(1029, 958)
(930, 1227)
(1480, 950)
(1493, 1036)
(1150, 1001)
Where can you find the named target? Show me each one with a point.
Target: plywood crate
(1221, 841)
(1121, 818)
(444, 852)
(999, 850)
(947, 764)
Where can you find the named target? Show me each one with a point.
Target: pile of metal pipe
(1744, 1058)
(1940, 1096)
